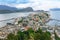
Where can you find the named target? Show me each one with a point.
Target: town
(35, 21)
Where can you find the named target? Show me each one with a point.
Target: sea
(5, 16)
(56, 16)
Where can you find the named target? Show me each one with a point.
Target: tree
(10, 36)
(30, 35)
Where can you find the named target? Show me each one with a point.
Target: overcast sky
(35, 4)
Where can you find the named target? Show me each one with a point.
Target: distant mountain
(28, 9)
(8, 9)
(39, 11)
(55, 9)
(4, 7)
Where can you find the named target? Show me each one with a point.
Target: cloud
(45, 4)
(40, 4)
(35, 4)
(14, 1)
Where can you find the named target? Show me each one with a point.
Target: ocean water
(54, 15)
(9, 16)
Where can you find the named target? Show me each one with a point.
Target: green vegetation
(30, 35)
(10, 36)
(20, 21)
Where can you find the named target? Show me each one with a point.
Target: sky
(35, 4)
